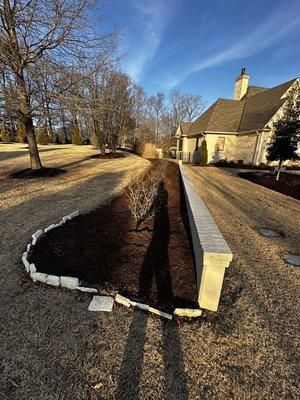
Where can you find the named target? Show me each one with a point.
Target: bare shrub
(149, 151)
(145, 195)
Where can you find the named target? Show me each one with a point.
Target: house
(238, 129)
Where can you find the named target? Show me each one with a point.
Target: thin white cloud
(152, 19)
(283, 21)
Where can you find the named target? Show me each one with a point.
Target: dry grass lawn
(53, 348)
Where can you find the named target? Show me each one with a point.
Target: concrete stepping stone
(269, 233)
(293, 259)
(101, 303)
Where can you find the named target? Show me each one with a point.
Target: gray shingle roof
(184, 127)
(252, 112)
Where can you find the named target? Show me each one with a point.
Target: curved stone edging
(73, 283)
(53, 280)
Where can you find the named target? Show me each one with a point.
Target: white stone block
(53, 280)
(25, 262)
(39, 277)
(65, 219)
(101, 303)
(32, 269)
(37, 235)
(69, 282)
(122, 300)
(52, 226)
(86, 289)
(140, 305)
(59, 224)
(160, 313)
(28, 247)
(73, 215)
(187, 312)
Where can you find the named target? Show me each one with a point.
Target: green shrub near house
(203, 153)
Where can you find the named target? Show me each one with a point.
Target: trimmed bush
(149, 151)
(42, 136)
(203, 153)
(76, 135)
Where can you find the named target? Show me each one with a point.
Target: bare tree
(156, 103)
(185, 107)
(58, 31)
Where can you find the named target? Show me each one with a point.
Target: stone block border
(64, 281)
(212, 254)
(74, 284)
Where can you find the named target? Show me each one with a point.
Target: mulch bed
(108, 156)
(153, 264)
(288, 184)
(29, 173)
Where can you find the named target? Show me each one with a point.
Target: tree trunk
(28, 123)
(33, 149)
(278, 172)
(50, 126)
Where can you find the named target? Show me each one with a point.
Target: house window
(221, 143)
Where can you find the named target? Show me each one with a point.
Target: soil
(29, 173)
(153, 264)
(288, 184)
(108, 156)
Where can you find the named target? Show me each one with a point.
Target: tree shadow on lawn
(7, 155)
(155, 268)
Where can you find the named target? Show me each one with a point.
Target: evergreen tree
(203, 153)
(76, 135)
(21, 134)
(285, 140)
(42, 136)
(57, 139)
(62, 137)
(4, 135)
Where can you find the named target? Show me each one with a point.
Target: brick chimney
(241, 85)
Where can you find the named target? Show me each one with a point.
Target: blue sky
(199, 46)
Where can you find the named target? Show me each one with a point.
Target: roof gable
(260, 108)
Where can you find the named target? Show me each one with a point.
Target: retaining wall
(212, 254)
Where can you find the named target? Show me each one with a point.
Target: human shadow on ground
(155, 269)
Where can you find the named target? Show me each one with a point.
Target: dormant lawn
(53, 348)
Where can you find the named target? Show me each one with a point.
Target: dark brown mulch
(103, 249)
(29, 173)
(109, 156)
(288, 184)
